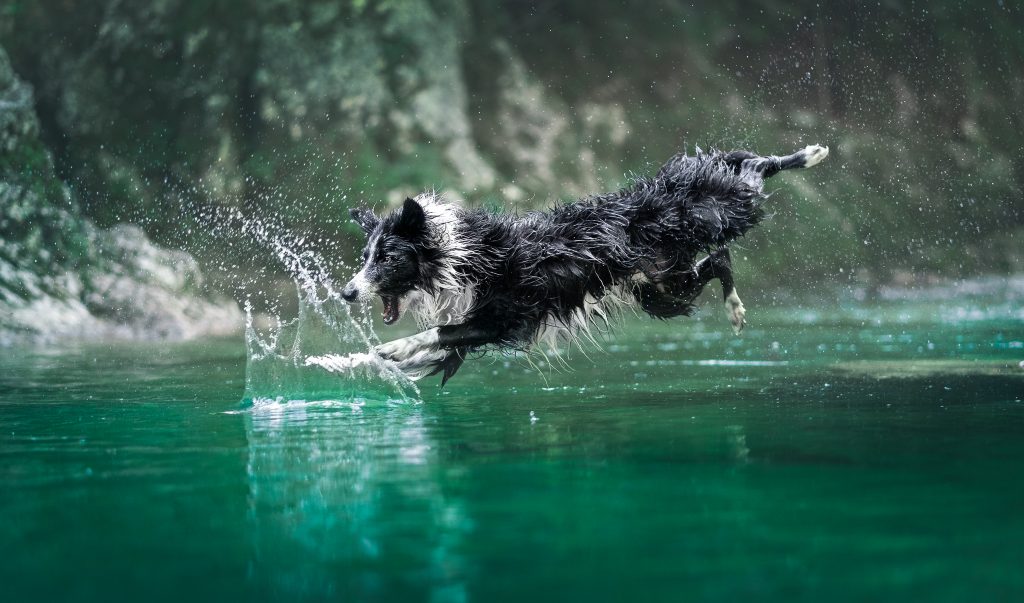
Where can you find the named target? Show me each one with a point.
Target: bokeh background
(149, 113)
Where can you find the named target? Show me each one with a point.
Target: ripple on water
(921, 368)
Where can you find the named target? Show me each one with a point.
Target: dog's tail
(771, 165)
(721, 193)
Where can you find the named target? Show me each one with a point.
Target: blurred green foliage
(302, 109)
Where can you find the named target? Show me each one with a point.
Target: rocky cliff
(63, 278)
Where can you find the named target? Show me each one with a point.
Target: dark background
(295, 111)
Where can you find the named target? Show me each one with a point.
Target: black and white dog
(477, 280)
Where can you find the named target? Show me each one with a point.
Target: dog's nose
(349, 293)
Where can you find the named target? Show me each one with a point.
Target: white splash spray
(322, 353)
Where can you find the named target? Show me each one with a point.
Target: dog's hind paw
(736, 312)
(814, 154)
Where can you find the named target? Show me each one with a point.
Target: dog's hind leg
(717, 265)
(721, 266)
(674, 297)
(661, 304)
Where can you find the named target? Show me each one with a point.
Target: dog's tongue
(390, 309)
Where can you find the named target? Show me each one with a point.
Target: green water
(850, 454)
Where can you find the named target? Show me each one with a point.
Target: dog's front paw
(393, 350)
(736, 312)
(402, 349)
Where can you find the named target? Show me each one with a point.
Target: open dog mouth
(391, 309)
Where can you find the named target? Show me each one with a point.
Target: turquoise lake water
(849, 453)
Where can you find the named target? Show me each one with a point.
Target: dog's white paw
(405, 348)
(814, 154)
(422, 363)
(736, 312)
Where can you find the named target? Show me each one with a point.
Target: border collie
(477, 280)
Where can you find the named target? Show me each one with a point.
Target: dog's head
(393, 258)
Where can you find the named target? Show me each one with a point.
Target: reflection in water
(736, 440)
(346, 500)
(345, 495)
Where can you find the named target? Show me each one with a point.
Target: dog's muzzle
(359, 289)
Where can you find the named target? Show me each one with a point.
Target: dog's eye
(385, 259)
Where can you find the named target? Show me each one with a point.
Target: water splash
(321, 355)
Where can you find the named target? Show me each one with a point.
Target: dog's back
(654, 229)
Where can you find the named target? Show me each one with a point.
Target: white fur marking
(366, 289)
(363, 286)
(405, 348)
(640, 278)
(736, 312)
(447, 307)
(577, 328)
(443, 221)
(455, 296)
(814, 154)
(422, 363)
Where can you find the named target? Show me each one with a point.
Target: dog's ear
(412, 219)
(364, 218)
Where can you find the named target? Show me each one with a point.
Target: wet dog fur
(477, 280)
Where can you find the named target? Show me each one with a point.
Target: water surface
(828, 454)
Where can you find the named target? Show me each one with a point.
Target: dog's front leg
(418, 355)
(466, 335)
(405, 348)
(438, 349)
